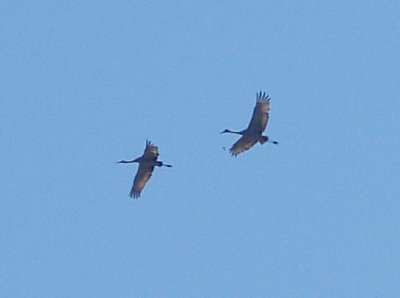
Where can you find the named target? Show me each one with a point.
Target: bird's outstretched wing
(142, 176)
(243, 144)
(150, 152)
(260, 116)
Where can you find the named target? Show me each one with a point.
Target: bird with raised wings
(146, 162)
(253, 133)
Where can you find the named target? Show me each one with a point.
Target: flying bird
(253, 133)
(146, 162)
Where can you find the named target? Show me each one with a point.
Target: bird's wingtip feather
(134, 195)
(262, 96)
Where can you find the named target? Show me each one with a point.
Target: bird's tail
(263, 139)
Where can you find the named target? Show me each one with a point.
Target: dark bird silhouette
(147, 162)
(253, 133)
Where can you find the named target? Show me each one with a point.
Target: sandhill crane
(147, 162)
(253, 133)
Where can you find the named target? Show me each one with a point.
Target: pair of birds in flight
(250, 136)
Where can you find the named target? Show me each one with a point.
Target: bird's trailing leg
(161, 164)
(272, 141)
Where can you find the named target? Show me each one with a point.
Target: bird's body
(250, 134)
(253, 133)
(147, 162)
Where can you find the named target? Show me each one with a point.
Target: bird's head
(225, 131)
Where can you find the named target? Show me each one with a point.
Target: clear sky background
(84, 84)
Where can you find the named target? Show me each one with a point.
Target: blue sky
(85, 84)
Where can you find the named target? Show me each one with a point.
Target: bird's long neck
(128, 161)
(236, 132)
